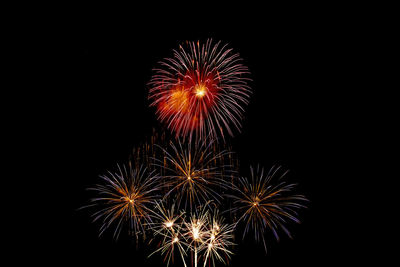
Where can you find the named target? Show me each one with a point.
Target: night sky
(104, 60)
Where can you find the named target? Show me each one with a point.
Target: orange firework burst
(201, 91)
(263, 203)
(195, 172)
(125, 198)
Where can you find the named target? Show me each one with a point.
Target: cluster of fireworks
(203, 234)
(171, 192)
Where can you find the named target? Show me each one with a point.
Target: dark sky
(103, 60)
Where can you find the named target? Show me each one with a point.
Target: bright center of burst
(200, 90)
(196, 233)
(127, 199)
(175, 240)
(256, 201)
(169, 224)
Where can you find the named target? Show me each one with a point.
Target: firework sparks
(145, 152)
(196, 172)
(201, 91)
(125, 197)
(197, 226)
(170, 229)
(165, 219)
(197, 231)
(219, 239)
(263, 204)
(204, 235)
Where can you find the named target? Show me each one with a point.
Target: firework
(204, 234)
(125, 198)
(165, 219)
(167, 223)
(219, 239)
(196, 226)
(195, 172)
(201, 91)
(266, 202)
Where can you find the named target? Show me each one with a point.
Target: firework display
(185, 194)
(201, 91)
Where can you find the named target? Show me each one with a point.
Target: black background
(101, 61)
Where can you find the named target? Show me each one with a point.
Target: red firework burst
(201, 91)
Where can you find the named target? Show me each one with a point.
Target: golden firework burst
(265, 201)
(125, 199)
